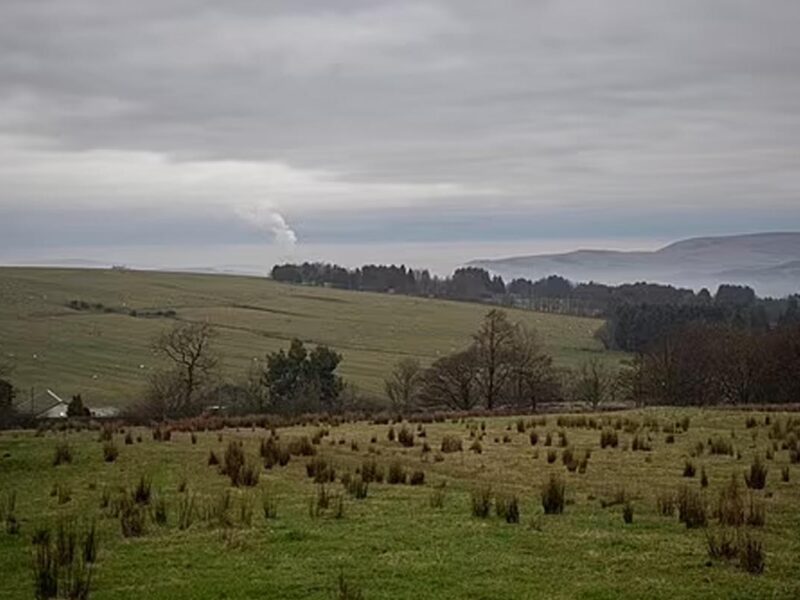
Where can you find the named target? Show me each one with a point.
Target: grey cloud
(609, 105)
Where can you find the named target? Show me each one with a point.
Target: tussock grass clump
(158, 511)
(128, 439)
(371, 472)
(62, 564)
(451, 443)
(722, 545)
(751, 555)
(269, 505)
(551, 456)
(534, 437)
(476, 447)
(756, 476)
(481, 501)
(406, 437)
(8, 513)
(609, 439)
(691, 508)
(301, 446)
(721, 445)
(548, 439)
(785, 474)
(396, 474)
(417, 478)
(507, 508)
(233, 460)
(689, 469)
(131, 518)
(756, 512)
(437, 497)
(703, 478)
(619, 496)
(320, 470)
(213, 460)
(357, 487)
(141, 493)
(730, 506)
(110, 451)
(665, 502)
(186, 511)
(390, 435)
(346, 589)
(640, 444)
(553, 496)
(273, 453)
(627, 513)
(62, 455)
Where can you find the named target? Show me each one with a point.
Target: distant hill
(769, 262)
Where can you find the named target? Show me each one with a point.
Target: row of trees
(285, 382)
(551, 294)
(505, 365)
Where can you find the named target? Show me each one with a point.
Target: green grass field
(106, 356)
(394, 543)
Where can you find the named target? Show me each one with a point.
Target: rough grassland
(106, 356)
(394, 544)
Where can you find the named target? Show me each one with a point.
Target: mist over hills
(768, 262)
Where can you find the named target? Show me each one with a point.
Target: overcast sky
(173, 122)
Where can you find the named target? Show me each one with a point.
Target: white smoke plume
(266, 218)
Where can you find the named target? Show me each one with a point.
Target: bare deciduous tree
(451, 381)
(403, 385)
(193, 364)
(494, 343)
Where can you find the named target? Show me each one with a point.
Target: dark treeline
(636, 313)
(701, 364)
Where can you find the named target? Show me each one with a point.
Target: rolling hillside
(105, 355)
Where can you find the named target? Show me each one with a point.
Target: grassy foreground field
(396, 542)
(105, 355)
